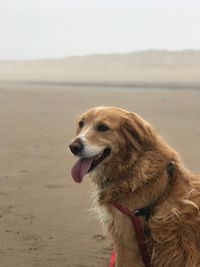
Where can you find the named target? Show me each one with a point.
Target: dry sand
(45, 218)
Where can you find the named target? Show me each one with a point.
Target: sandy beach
(45, 218)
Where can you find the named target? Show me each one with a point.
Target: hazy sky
(57, 28)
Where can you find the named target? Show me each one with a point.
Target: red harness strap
(139, 234)
(112, 260)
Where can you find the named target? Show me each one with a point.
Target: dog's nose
(76, 146)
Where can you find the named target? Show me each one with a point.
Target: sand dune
(148, 68)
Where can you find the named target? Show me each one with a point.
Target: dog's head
(107, 137)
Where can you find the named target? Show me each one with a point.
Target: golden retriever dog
(129, 164)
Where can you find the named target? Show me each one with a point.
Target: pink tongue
(80, 168)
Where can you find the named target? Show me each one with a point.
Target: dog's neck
(136, 188)
(101, 181)
(105, 178)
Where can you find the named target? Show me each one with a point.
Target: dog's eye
(81, 123)
(102, 128)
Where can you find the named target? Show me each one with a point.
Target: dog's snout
(76, 146)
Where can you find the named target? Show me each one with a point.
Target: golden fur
(135, 175)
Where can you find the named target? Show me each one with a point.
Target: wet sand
(45, 218)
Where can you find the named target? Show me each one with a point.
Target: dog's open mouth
(85, 165)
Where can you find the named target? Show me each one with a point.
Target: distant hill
(138, 68)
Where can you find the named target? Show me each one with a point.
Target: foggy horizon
(32, 30)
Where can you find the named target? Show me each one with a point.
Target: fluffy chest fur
(119, 228)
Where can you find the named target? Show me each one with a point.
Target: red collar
(139, 229)
(140, 232)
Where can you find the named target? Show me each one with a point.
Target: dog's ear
(138, 132)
